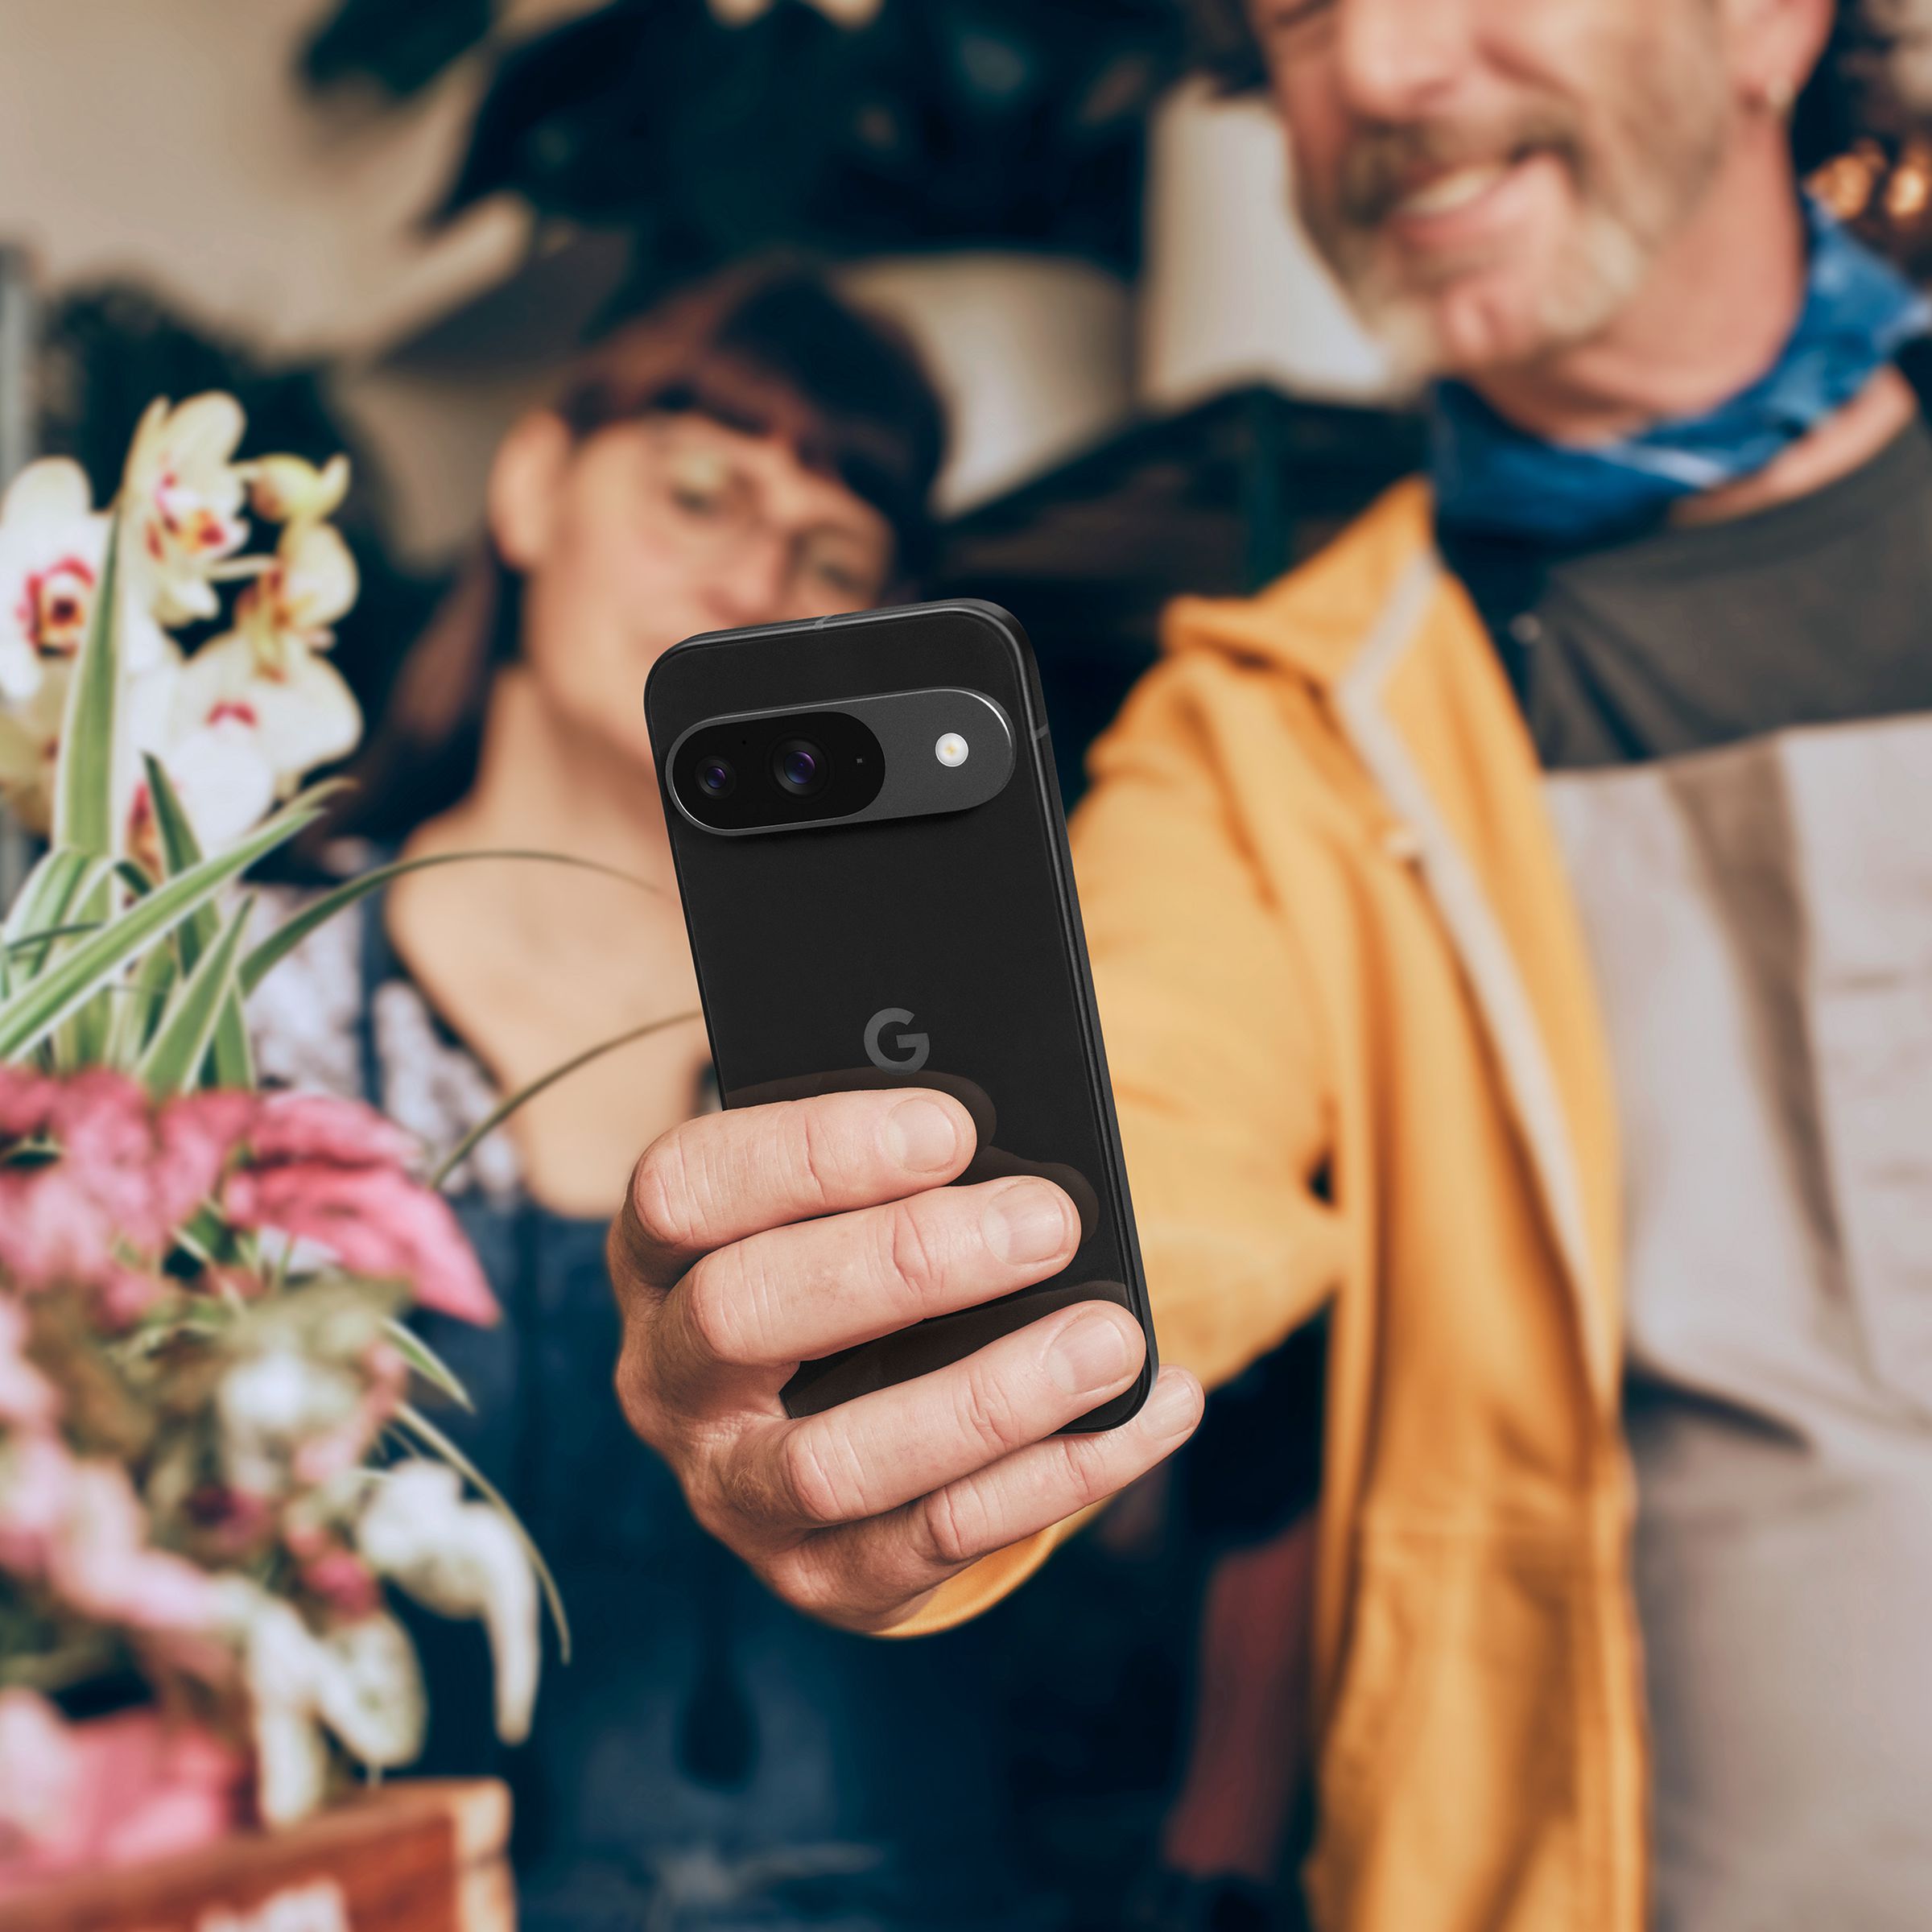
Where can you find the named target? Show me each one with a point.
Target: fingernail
(922, 1135)
(1174, 1406)
(1091, 1353)
(1027, 1223)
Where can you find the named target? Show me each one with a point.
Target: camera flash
(950, 749)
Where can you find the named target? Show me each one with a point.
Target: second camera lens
(800, 767)
(715, 777)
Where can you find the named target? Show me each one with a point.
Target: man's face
(1491, 179)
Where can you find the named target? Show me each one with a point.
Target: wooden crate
(414, 1856)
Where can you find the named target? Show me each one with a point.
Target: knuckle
(717, 1512)
(817, 1492)
(728, 1496)
(739, 1491)
(987, 1414)
(635, 1396)
(713, 1309)
(820, 1157)
(661, 1196)
(913, 1261)
(1087, 1472)
(952, 1525)
(806, 1580)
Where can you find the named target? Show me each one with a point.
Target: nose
(752, 585)
(1401, 60)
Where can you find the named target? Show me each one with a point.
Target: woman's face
(647, 530)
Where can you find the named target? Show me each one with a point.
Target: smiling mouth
(1446, 194)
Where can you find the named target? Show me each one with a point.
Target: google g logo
(912, 1047)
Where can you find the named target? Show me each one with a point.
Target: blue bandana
(1492, 477)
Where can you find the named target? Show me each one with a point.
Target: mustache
(1381, 165)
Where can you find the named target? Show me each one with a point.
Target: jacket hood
(1315, 620)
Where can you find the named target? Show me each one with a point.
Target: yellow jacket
(1358, 1062)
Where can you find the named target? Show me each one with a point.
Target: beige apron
(1760, 922)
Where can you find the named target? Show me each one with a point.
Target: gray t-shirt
(1812, 613)
(1737, 721)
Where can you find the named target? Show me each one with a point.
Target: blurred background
(391, 225)
(387, 227)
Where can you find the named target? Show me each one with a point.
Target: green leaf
(419, 1425)
(498, 1115)
(82, 1041)
(427, 1363)
(173, 1059)
(180, 847)
(45, 903)
(140, 1004)
(66, 888)
(285, 938)
(231, 1062)
(84, 777)
(30, 1015)
(28, 941)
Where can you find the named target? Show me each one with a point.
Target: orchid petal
(319, 574)
(287, 489)
(460, 1560)
(370, 1691)
(207, 428)
(54, 489)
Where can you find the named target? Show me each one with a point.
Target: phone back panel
(966, 921)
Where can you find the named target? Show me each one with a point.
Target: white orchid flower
(270, 1404)
(52, 542)
(29, 735)
(296, 601)
(370, 1693)
(287, 489)
(460, 1559)
(841, 13)
(30, 738)
(246, 727)
(183, 494)
(361, 1681)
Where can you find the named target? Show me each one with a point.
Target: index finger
(716, 1179)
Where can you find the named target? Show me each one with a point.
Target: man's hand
(754, 1241)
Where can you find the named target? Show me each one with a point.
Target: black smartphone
(869, 843)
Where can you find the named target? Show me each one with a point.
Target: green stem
(499, 1115)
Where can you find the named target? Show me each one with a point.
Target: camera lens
(800, 767)
(715, 777)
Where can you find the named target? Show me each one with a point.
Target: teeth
(1448, 192)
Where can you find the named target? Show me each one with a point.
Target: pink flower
(25, 1101)
(345, 1582)
(101, 1566)
(59, 1218)
(121, 1176)
(116, 1790)
(78, 1527)
(235, 1521)
(40, 1775)
(377, 1222)
(27, 1398)
(198, 1134)
(321, 1127)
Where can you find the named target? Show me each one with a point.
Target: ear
(1774, 46)
(526, 479)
